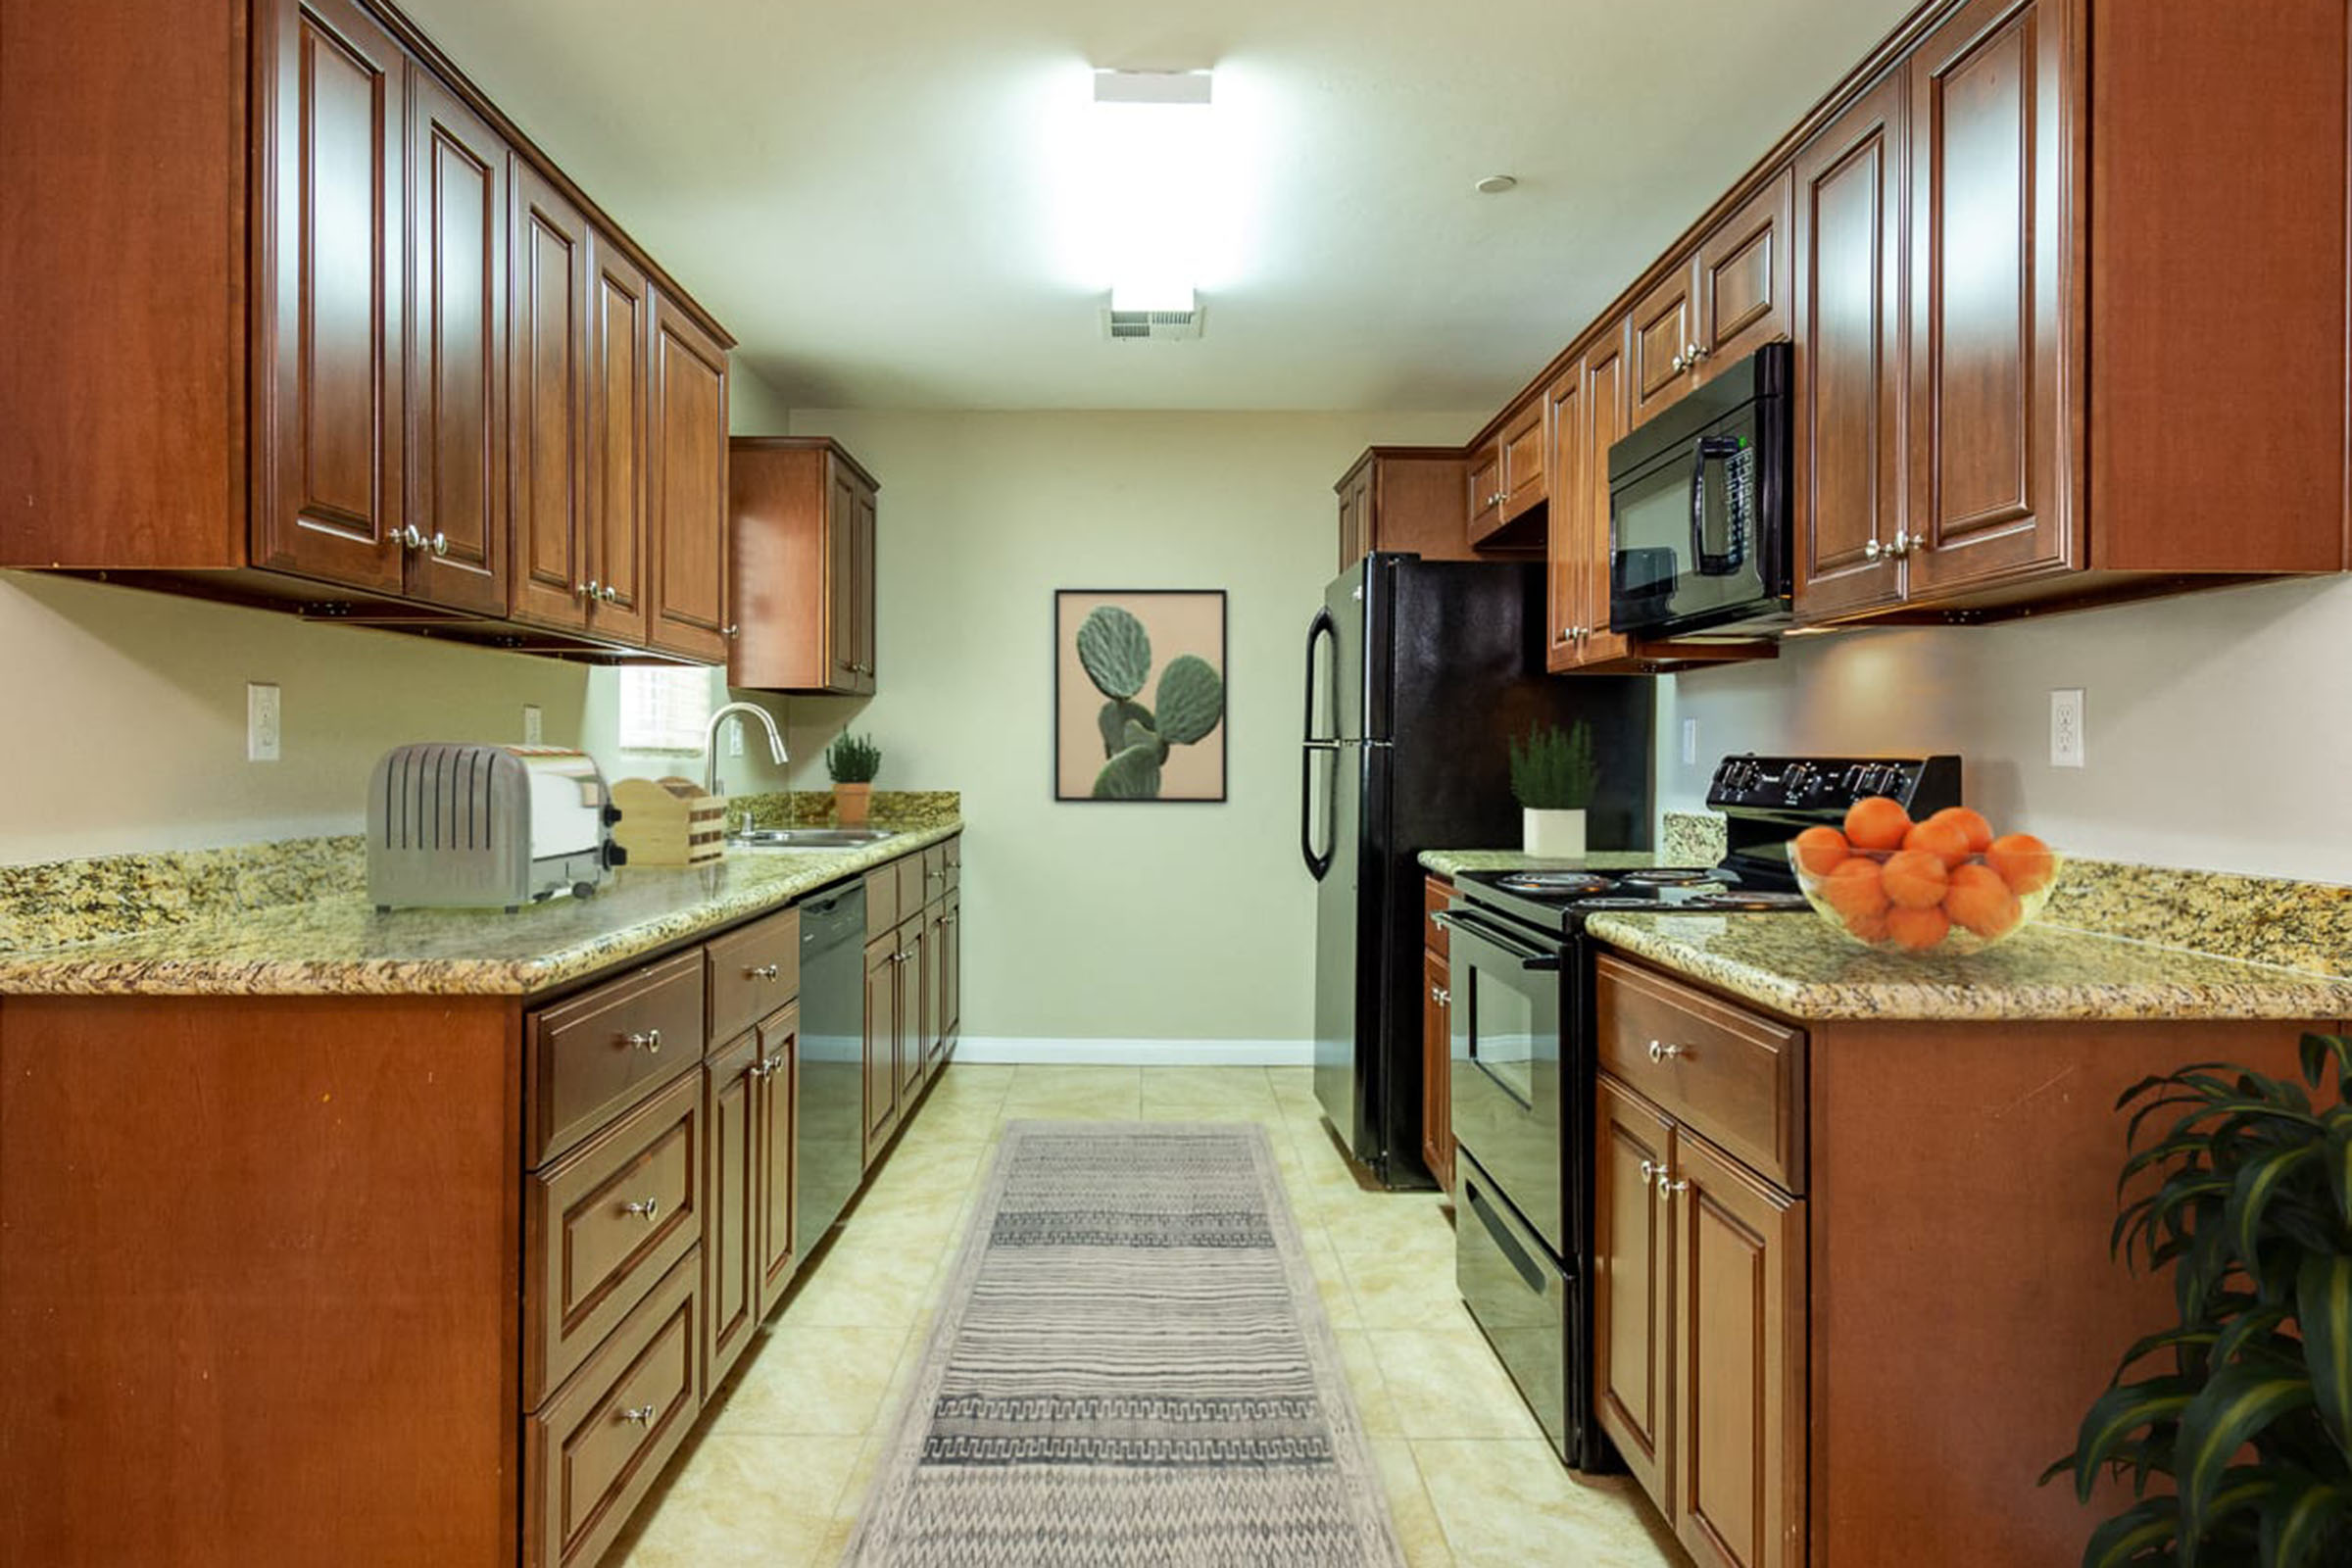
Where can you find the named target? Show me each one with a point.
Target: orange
(1917, 929)
(1871, 927)
(1972, 823)
(1874, 822)
(1915, 879)
(1981, 902)
(1947, 841)
(2025, 862)
(1820, 850)
(1853, 889)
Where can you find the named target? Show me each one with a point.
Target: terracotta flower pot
(850, 804)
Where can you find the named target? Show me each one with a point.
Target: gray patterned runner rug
(1130, 1367)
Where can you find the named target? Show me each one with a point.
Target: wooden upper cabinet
(1523, 466)
(687, 589)
(1485, 491)
(1632, 1300)
(331, 496)
(802, 516)
(1848, 430)
(549, 447)
(1664, 336)
(1742, 278)
(1565, 575)
(1738, 1283)
(620, 312)
(456, 357)
(1403, 499)
(1989, 495)
(1609, 419)
(1355, 513)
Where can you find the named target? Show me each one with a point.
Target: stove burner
(1552, 883)
(1665, 877)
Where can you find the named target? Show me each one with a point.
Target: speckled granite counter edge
(97, 968)
(2119, 979)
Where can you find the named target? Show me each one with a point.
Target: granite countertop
(1797, 966)
(1453, 862)
(340, 946)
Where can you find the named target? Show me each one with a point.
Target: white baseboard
(1139, 1053)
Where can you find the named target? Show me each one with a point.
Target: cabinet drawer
(953, 850)
(598, 1053)
(912, 886)
(881, 902)
(753, 971)
(590, 1456)
(603, 1225)
(935, 874)
(1730, 1075)
(1437, 896)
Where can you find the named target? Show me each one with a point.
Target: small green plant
(1188, 706)
(853, 760)
(2252, 1422)
(1554, 769)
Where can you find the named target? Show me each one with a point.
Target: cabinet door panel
(1608, 417)
(1437, 1070)
(1664, 327)
(619, 324)
(881, 1038)
(950, 985)
(870, 545)
(549, 447)
(1631, 1299)
(688, 450)
(458, 353)
(332, 503)
(730, 1264)
(1744, 278)
(911, 1047)
(1849, 359)
(1567, 573)
(775, 1100)
(1988, 429)
(1485, 492)
(1738, 1364)
(1523, 475)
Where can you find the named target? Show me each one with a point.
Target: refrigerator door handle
(1318, 863)
(1321, 627)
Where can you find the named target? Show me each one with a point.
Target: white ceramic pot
(1555, 835)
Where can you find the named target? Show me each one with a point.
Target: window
(663, 709)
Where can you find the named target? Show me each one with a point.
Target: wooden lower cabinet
(1699, 1335)
(730, 1205)
(882, 1027)
(1436, 1069)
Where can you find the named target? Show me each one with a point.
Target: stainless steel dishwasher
(829, 1144)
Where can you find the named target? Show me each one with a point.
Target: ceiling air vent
(1152, 326)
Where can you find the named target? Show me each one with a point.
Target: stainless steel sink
(812, 838)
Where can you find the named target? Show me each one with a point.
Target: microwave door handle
(1706, 450)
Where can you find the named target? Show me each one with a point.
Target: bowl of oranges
(1944, 885)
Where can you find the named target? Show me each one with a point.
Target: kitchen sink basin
(812, 838)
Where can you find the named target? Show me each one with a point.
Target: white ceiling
(876, 199)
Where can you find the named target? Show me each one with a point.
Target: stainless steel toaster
(487, 827)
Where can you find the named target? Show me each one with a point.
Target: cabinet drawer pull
(1660, 1051)
(648, 1041)
(730, 631)
(1667, 1188)
(1871, 549)
(765, 971)
(648, 1210)
(643, 1415)
(768, 1068)
(1651, 1171)
(440, 543)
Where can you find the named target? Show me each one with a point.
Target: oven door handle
(1529, 957)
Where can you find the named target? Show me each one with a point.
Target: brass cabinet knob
(1660, 1051)
(440, 544)
(1871, 549)
(648, 1041)
(409, 538)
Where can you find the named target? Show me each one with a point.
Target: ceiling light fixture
(1496, 184)
(1154, 194)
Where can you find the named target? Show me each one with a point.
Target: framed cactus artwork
(1139, 694)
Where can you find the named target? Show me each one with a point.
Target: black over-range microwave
(1700, 544)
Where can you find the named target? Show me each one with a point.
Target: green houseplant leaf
(2233, 1408)
(1115, 650)
(2323, 1312)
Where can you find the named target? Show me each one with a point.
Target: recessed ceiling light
(1496, 184)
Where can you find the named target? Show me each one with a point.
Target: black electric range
(1525, 1064)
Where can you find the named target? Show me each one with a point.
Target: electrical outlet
(734, 737)
(2066, 727)
(1689, 742)
(532, 731)
(261, 721)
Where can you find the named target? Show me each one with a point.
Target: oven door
(1507, 988)
(1524, 1303)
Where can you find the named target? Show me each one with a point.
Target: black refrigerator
(1418, 675)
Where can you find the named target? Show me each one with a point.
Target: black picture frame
(1224, 672)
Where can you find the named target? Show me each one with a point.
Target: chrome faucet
(775, 741)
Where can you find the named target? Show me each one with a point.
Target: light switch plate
(2066, 727)
(1689, 742)
(531, 726)
(261, 721)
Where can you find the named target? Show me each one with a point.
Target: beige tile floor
(779, 1472)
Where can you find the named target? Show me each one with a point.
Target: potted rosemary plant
(852, 760)
(2245, 1405)
(1553, 776)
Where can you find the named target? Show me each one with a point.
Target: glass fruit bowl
(1912, 901)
